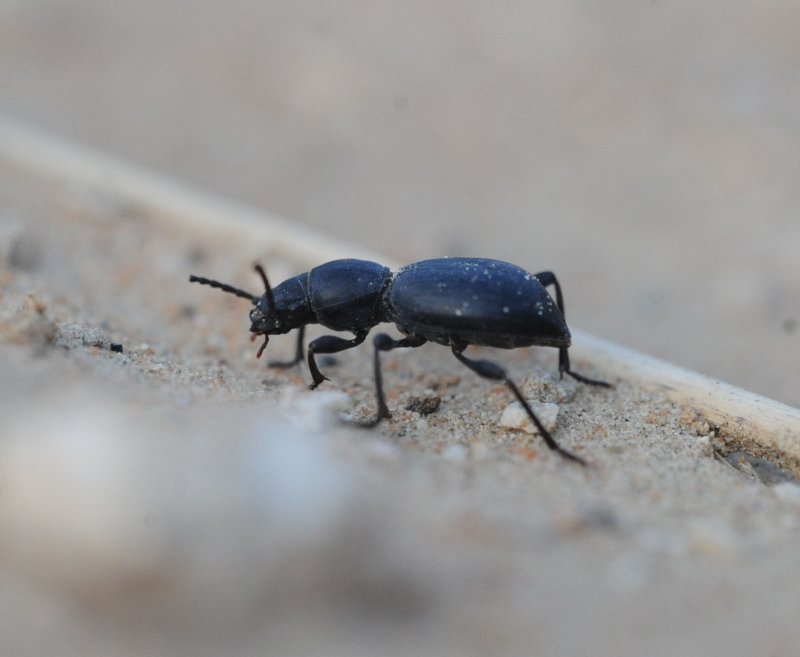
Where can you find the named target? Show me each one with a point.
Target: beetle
(455, 302)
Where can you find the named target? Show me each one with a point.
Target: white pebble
(515, 417)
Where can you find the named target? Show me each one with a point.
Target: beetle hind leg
(547, 278)
(564, 368)
(495, 372)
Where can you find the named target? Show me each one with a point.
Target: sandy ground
(647, 152)
(171, 495)
(177, 497)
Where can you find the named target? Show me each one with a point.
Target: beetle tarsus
(588, 381)
(564, 368)
(315, 384)
(369, 424)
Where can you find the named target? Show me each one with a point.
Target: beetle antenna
(224, 287)
(267, 288)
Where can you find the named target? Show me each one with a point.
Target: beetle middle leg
(384, 342)
(489, 370)
(329, 344)
(547, 278)
(298, 354)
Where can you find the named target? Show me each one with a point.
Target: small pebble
(515, 417)
(548, 389)
(424, 405)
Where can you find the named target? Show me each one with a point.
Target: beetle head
(275, 312)
(263, 311)
(280, 310)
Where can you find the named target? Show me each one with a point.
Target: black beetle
(455, 302)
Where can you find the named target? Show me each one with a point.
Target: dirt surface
(645, 152)
(165, 493)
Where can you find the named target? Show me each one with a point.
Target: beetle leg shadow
(495, 372)
(298, 354)
(384, 342)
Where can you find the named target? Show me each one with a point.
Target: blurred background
(647, 152)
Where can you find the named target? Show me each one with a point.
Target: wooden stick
(746, 421)
(55, 160)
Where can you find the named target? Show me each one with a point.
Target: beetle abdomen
(478, 300)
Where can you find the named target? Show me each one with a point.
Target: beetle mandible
(455, 302)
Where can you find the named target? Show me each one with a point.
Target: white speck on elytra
(458, 312)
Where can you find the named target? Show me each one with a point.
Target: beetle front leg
(384, 342)
(495, 372)
(329, 344)
(547, 278)
(298, 354)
